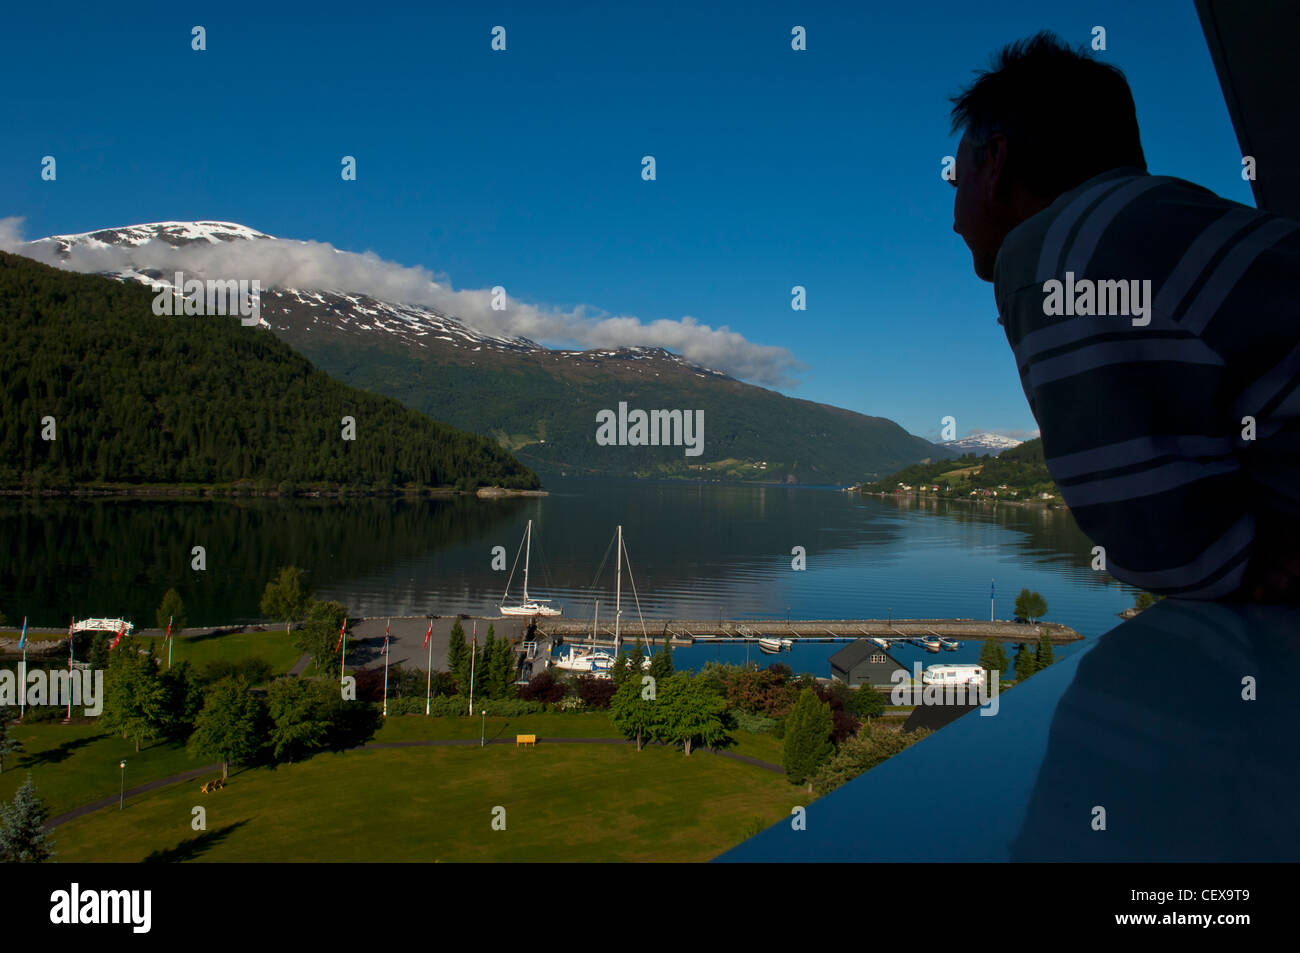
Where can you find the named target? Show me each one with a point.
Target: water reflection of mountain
(1049, 534)
(117, 556)
(694, 549)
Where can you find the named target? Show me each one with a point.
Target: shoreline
(1055, 504)
(228, 491)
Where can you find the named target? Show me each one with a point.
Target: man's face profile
(974, 214)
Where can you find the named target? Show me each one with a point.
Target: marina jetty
(687, 631)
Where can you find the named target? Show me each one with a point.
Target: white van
(953, 675)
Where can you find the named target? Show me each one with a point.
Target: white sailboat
(590, 662)
(596, 661)
(529, 606)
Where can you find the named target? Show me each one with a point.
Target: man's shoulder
(1069, 230)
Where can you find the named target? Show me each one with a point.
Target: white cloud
(287, 263)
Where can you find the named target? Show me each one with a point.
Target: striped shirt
(1142, 415)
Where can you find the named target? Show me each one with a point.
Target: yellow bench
(525, 740)
(210, 786)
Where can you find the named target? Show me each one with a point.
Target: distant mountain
(94, 388)
(981, 443)
(541, 403)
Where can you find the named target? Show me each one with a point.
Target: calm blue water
(695, 551)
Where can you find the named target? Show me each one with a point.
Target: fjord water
(696, 551)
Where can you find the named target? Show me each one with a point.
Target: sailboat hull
(530, 609)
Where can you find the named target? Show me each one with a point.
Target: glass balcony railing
(1169, 738)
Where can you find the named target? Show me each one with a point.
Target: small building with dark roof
(862, 662)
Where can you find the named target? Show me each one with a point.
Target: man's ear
(996, 180)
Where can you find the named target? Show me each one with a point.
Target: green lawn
(273, 645)
(72, 765)
(594, 724)
(562, 802)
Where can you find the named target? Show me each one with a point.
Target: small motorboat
(769, 646)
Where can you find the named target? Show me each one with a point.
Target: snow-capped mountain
(982, 443)
(303, 310)
(540, 403)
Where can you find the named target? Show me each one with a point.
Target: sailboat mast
(527, 552)
(618, 590)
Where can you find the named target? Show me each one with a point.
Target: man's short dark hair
(1066, 116)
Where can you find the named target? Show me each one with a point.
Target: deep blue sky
(775, 168)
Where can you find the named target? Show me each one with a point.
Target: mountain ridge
(537, 402)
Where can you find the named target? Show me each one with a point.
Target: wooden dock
(687, 631)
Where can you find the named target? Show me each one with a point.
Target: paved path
(132, 792)
(428, 743)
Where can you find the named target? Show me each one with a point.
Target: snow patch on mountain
(983, 442)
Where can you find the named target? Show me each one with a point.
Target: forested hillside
(542, 406)
(140, 399)
(1021, 468)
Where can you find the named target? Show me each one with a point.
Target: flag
(22, 639)
(120, 632)
(169, 630)
(429, 633)
(71, 625)
(342, 629)
(386, 628)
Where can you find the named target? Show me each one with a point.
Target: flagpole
(22, 677)
(386, 653)
(991, 591)
(428, 682)
(170, 641)
(343, 662)
(473, 646)
(70, 625)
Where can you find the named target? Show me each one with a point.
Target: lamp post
(121, 797)
(482, 738)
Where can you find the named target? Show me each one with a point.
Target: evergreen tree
(287, 597)
(636, 659)
(807, 738)
(485, 683)
(661, 663)
(173, 610)
(23, 838)
(503, 668)
(458, 658)
(1026, 662)
(1045, 654)
(993, 657)
(8, 743)
(230, 724)
(620, 671)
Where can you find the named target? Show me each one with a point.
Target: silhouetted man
(1155, 326)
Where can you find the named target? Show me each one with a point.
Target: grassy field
(273, 645)
(562, 803)
(73, 765)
